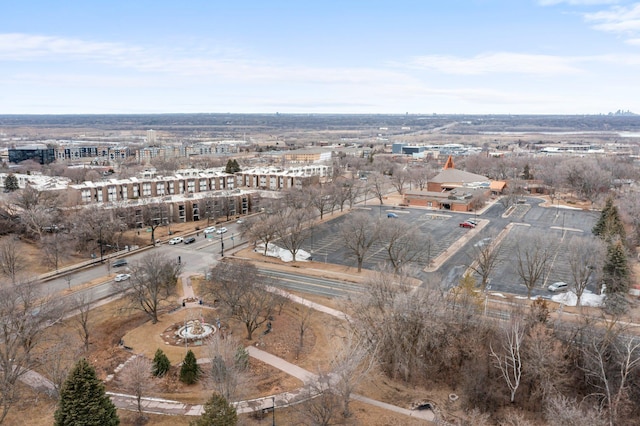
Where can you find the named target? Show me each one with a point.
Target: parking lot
(442, 229)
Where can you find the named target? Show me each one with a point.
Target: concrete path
(285, 399)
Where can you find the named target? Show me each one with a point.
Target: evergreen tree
(161, 364)
(526, 174)
(11, 183)
(217, 412)
(615, 272)
(232, 166)
(83, 401)
(609, 225)
(190, 371)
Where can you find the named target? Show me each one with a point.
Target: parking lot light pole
(221, 245)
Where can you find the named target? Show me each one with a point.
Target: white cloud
(576, 2)
(619, 20)
(501, 62)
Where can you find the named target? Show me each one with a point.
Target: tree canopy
(83, 401)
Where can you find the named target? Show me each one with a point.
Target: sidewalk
(285, 399)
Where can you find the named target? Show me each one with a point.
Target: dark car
(119, 262)
(190, 240)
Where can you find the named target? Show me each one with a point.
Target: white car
(122, 277)
(221, 231)
(240, 221)
(557, 287)
(209, 230)
(176, 240)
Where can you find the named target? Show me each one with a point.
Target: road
(311, 285)
(197, 257)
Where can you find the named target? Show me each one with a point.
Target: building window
(146, 189)
(86, 195)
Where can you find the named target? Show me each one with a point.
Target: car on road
(221, 230)
(122, 277)
(558, 287)
(467, 225)
(209, 230)
(175, 240)
(392, 215)
(119, 262)
(190, 240)
(240, 221)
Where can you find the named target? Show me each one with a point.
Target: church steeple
(449, 164)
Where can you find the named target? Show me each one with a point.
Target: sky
(319, 56)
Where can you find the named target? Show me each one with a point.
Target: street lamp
(221, 245)
(273, 411)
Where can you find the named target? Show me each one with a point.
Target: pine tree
(232, 166)
(609, 225)
(217, 412)
(83, 401)
(11, 183)
(161, 364)
(616, 274)
(190, 371)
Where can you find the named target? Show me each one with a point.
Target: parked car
(558, 287)
(472, 221)
(122, 277)
(209, 230)
(221, 230)
(190, 240)
(467, 225)
(175, 240)
(240, 221)
(392, 215)
(119, 262)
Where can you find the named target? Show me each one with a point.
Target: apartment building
(275, 179)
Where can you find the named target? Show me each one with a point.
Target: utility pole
(221, 245)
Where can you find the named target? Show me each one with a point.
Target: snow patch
(284, 255)
(588, 299)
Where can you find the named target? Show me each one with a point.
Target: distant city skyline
(322, 56)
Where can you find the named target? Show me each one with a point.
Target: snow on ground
(588, 299)
(284, 255)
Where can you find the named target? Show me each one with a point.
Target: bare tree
(55, 248)
(153, 282)
(153, 216)
(322, 405)
(82, 306)
(255, 307)
(586, 259)
(12, 261)
(532, 257)
(228, 368)
(263, 228)
(351, 364)
(38, 210)
(610, 360)
(322, 199)
(400, 178)
(484, 260)
(378, 184)
(404, 244)
(229, 281)
(304, 313)
(24, 315)
(509, 358)
(136, 378)
(293, 228)
(59, 358)
(358, 235)
(563, 411)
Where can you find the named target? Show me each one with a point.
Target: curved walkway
(285, 399)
